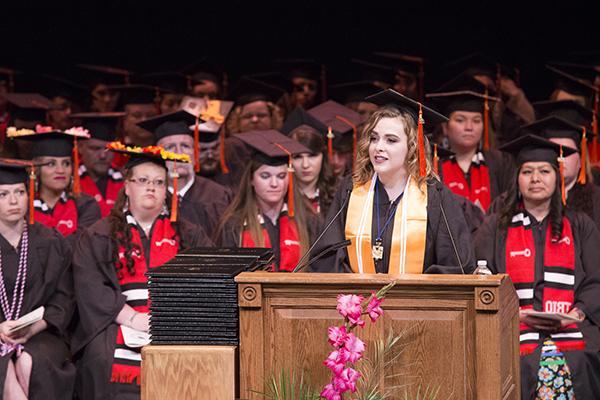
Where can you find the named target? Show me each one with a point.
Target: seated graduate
(397, 214)
(201, 200)
(96, 173)
(260, 215)
(475, 171)
(109, 265)
(313, 172)
(58, 201)
(551, 254)
(35, 271)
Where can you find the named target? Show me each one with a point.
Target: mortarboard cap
(569, 110)
(571, 83)
(49, 142)
(403, 64)
(307, 68)
(530, 147)
(135, 94)
(166, 82)
(357, 91)
(339, 121)
(479, 64)
(101, 126)
(13, 171)
(30, 107)
(271, 147)
(250, 89)
(393, 98)
(556, 127)
(175, 123)
(102, 74)
(300, 117)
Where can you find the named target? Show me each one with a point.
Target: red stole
(63, 216)
(289, 241)
(164, 245)
(479, 191)
(113, 185)
(559, 279)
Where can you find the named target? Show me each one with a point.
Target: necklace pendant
(377, 250)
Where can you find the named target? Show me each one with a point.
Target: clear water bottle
(482, 268)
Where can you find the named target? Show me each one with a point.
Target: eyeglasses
(255, 115)
(158, 182)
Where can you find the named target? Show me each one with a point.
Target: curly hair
(512, 201)
(233, 122)
(327, 181)
(120, 232)
(363, 169)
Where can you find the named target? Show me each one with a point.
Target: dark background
(243, 36)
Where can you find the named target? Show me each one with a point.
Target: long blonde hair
(363, 169)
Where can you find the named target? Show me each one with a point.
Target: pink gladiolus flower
(373, 308)
(330, 393)
(349, 306)
(336, 361)
(337, 335)
(346, 381)
(353, 348)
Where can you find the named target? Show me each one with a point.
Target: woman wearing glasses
(110, 262)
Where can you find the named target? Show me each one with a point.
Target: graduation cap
(356, 91)
(479, 64)
(570, 110)
(210, 115)
(97, 74)
(557, 127)
(307, 68)
(29, 107)
(166, 82)
(421, 115)
(339, 120)
(100, 125)
(438, 153)
(406, 65)
(301, 117)
(271, 147)
(152, 154)
(586, 72)
(374, 71)
(13, 171)
(54, 87)
(571, 83)
(135, 94)
(205, 69)
(175, 123)
(534, 148)
(50, 142)
(249, 89)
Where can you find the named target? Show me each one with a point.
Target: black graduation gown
(440, 256)
(49, 284)
(204, 203)
(230, 237)
(490, 245)
(88, 212)
(95, 278)
(501, 170)
(586, 199)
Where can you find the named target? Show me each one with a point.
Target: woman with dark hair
(475, 171)
(35, 271)
(109, 266)
(58, 201)
(551, 254)
(397, 215)
(260, 215)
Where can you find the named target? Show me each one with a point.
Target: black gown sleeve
(88, 213)
(485, 243)
(446, 242)
(95, 279)
(588, 276)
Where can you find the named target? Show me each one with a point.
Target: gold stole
(409, 232)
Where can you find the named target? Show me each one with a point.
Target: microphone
(307, 254)
(460, 264)
(328, 249)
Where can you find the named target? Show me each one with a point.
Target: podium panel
(461, 332)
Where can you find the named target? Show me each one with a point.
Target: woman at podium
(551, 254)
(109, 266)
(394, 210)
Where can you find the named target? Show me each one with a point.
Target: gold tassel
(561, 163)
(197, 145)
(31, 195)
(174, 199)
(582, 171)
(76, 183)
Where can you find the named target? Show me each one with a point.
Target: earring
(126, 206)
(445, 142)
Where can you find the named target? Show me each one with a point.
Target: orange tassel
(224, 168)
(354, 135)
(197, 145)
(582, 171)
(31, 195)
(561, 163)
(290, 189)
(421, 139)
(436, 159)
(76, 184)
(486, 123)
(594, 150)
(174, 199)
(330, 137)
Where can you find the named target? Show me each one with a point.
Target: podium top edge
(282, 278)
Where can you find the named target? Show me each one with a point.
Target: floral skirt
(554, 377)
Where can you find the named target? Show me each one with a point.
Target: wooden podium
(464, 330)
